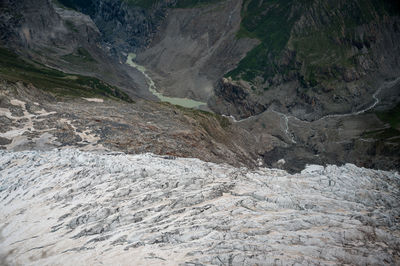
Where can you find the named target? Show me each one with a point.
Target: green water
(185, 102)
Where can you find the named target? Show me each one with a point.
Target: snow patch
(95, 100)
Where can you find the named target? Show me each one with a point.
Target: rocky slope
(186, 48)
(46, 32)
(307, 58)
(124, 25)
(316, 82)
(83, 208)
(33, 119)
(315, 57)
(194, 47)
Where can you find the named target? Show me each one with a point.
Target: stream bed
(185, 102)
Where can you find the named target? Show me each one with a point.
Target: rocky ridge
(63, 39)
(193, 48)
(101, 208)
(187, 59)
(33, 119)
(329, 57)
(126, 26)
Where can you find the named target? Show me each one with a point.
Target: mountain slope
(328, 56)
(62, 39)
(317, 81)
(306, 58)
(32, 118)
(16, 69)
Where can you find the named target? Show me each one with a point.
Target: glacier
(70, 207)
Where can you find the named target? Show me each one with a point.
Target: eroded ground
(32, 119)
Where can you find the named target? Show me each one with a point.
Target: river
(286, 118)
(185, 102)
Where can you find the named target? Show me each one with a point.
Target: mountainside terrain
(33, 119)
(317, 80)
(327, 56)
(46, 32)
(199, 132)
(94, 209)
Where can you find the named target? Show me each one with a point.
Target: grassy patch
(270, 22)
(87, 6)
(323, 48)
(14, 68)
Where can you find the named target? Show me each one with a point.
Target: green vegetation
(323, 48)
(326, 50)
(13, 68)
(270, 22)
(87, 6)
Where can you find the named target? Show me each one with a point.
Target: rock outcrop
(194, 47)
(33, 119)
(307, 77)
(125, 25)
(234, 99)
(326, 56)
(46, 32)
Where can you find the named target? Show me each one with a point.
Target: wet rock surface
(101, 208)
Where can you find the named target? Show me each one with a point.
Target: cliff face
(307, 58)
(47, 32)
(332, 55)
(32, 25)
(290, 64)
(126, 26)
(194, 47)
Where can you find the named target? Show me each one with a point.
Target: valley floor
(72, 207)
